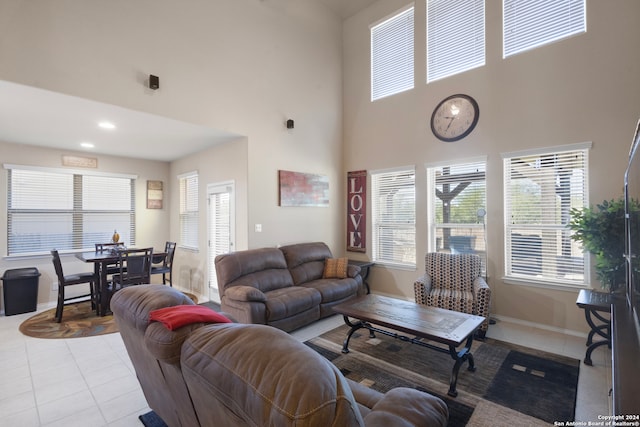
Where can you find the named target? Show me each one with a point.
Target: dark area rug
(151, 419)
(512, 385)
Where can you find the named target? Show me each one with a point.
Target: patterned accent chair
(454, 282)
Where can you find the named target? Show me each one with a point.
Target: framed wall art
(302, 189)
(154, 195)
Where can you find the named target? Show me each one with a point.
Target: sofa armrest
(353, 270)
(422, 288)
(482, 295)
(245, 293)
(407, 407)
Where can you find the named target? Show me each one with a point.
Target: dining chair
(135, 268)
(102, 247)
(167, 264)
(71, 280)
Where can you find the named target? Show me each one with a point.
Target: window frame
(189, 210)
(537, 30)
(401, 225)
(528, 245)
(392, 72)
(470, 50)
(478, 228)
(78, 210)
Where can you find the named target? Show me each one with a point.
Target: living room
(245, 67)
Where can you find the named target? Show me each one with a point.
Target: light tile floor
(91, 382)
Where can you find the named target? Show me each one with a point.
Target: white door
(221, 205)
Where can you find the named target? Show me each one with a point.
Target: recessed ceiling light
(106, 125)
(86, 145)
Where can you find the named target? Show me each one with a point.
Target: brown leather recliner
(243, 374)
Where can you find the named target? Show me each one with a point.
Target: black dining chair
(71, 280)
(114, 247)
(135, 268)
(167, 264)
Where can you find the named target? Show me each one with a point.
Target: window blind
(455, 37)
(531, 23)
(394, 217)
(540, 190)
(48, 210)
(457, 208)
(189, 210)
(392, 55)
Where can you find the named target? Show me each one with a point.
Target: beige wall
(242, 66)
(223, 163)
(152, 225)
(584, 88)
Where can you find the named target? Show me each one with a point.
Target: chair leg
(60, 305)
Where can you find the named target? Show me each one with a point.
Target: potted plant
(601, 230)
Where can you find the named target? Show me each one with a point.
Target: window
(457, 208)
(532, 23)
(540, 188)
(66, 210)
(394, 217)
(189, 210)
(455, 37)
(392, 55)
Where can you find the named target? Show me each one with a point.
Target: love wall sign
(357, 211)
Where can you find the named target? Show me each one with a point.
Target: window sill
(544, 284)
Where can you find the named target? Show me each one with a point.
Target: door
(221, 206)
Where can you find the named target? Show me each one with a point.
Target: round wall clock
(455, 117)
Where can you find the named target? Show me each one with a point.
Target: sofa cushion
(306, 260)
(335, 268)
(264, 269)
(283, 303)
(333, 289)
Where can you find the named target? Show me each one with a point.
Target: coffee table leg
(354, 327)
(460, 357)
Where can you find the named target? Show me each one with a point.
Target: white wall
(584, 88)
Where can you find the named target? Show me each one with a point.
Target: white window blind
(392, 55)
(189, 210)
(458, 201)
(531, 23)
(455, 37)
(394, 217)
(540, 190)
(63, 210)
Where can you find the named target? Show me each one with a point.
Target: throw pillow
(335, 268)
(180, 315)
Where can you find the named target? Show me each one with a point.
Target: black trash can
(20, 290)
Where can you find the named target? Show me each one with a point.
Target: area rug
(78, 320)
(512, 385)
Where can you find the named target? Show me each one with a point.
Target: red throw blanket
(180, 315)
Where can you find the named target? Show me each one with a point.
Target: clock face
(454, 118)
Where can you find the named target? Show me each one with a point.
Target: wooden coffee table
(447, 327)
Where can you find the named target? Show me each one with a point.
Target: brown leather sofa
(250, 375)
(282, 287)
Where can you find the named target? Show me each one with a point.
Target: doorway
(221, 226)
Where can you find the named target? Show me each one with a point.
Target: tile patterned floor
(67, 382)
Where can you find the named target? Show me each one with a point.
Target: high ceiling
(39, 117)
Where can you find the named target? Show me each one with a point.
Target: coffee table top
(444, 326)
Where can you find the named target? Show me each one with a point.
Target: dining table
(101, 261)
